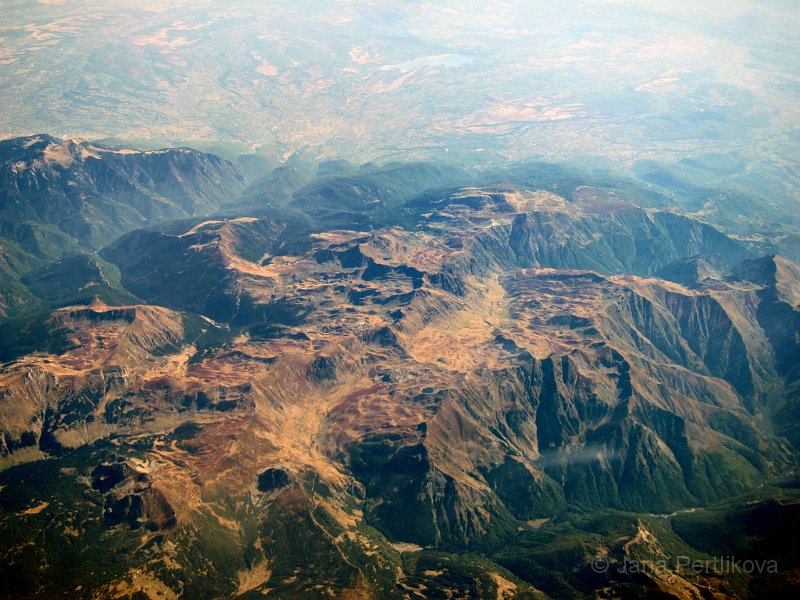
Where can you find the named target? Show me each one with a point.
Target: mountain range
(400, 380)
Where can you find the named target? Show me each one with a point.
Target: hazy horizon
(621, 80)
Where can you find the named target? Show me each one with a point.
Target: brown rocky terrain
(445, 386)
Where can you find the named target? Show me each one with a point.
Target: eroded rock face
(52, 404)
(131, 499)
(273, 479)
(107, 476)
(148, 509)
(322, 369)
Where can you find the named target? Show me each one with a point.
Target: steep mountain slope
(62, 197)
(206, 269)
(94, 193)
(274, 189)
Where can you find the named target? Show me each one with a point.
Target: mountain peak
(94, 193)
(772, 271)
(688, 271)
